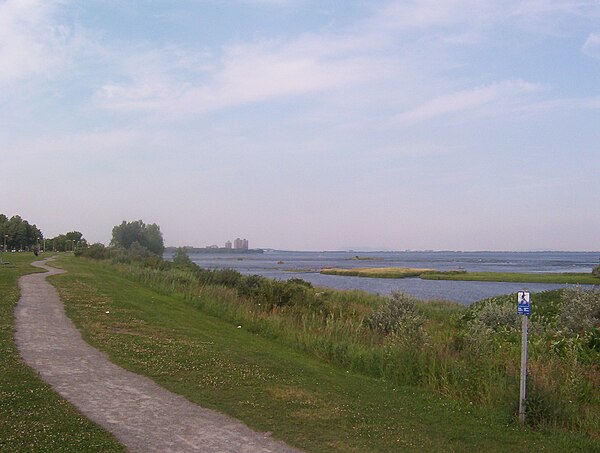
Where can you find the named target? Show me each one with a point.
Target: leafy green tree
(181, 258)
(66, 242)
(147, 236)
(20, 234)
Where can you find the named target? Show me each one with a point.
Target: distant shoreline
(215, 250)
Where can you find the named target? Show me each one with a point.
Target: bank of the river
(285, 265)
(312, 363)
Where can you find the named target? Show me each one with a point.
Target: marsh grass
(378, 272)
(566, 278)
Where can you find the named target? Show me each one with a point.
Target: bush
(496, 315)
(596, 271)
(580, 311)
(399, 316)
(95, 251)
(181, 258)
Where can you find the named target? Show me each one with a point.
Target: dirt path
(142, 415)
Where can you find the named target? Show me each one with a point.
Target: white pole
(523, 370)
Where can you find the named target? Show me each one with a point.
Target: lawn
(300, 399)
(32, 416)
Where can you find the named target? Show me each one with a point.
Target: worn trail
(142, 415)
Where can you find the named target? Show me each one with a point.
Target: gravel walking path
(142, 415)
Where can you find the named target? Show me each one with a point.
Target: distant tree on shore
(18, 233)
(147, 236)
(66, 242)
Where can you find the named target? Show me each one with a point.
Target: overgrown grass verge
(32, 416)
(168, 325)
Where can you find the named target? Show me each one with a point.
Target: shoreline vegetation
(432, 274)
(462, 355)
(293, 359)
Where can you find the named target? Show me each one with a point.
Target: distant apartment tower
(240, 244)
(228, 245)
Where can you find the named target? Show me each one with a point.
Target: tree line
(18, 234)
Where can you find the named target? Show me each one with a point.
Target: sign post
(523, 309)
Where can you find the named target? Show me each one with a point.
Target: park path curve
(141, 415)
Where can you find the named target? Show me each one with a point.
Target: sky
(305, 124)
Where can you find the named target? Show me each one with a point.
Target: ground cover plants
(430, 274)
(566, 278)
(377, 272)
(241, 346)
(32, 416)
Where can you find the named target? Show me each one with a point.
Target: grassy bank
(377, 272)
(311, 370)
(32, 416)
(431, 274)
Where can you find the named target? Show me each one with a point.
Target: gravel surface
(141, 415)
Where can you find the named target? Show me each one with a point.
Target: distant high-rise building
(228, 245)
(238, 244)
(245, 244)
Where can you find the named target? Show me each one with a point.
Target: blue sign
(523, 306)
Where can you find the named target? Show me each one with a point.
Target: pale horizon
(306, 125)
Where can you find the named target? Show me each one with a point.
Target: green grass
(377, 272)
(431, 274)
(566, 278)
(32, 416)
(273, 387)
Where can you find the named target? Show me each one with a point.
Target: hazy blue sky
(306, 124)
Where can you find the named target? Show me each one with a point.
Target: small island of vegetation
(592, 278)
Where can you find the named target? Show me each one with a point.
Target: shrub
(95, 251)
(496, 315)
(596, 271)
(580, 311)
(398, 316)
(181, 258)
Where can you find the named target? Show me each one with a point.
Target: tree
(148, 236)
(66, 242)
(181, 258)
(596, 271)
(20, 234)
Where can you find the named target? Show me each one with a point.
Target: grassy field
(305, 401)
(377, 272)
(567, 278)
(431, 274)
(32, 416)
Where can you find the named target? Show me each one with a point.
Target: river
(283, 265)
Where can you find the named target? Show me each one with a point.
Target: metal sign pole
(523, 385)
(523, 309)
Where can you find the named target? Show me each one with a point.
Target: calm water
(306, 265)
